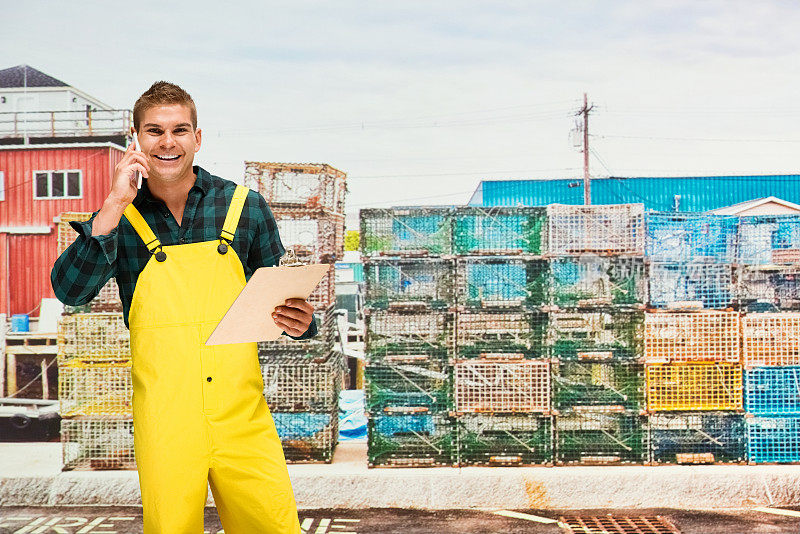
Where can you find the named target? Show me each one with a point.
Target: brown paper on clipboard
(250, 316)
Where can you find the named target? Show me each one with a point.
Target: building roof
(763, 206)
(27, 76)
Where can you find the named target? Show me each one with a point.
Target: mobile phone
(138, 174)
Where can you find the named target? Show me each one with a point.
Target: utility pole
(587, 181)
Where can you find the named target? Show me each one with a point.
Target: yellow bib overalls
(199, 414)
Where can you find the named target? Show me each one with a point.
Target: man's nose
(167, 140)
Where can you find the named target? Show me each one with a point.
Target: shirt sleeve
(266, 248)
(81, 271)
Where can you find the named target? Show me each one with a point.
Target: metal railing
(81, 123)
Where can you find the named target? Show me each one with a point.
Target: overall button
(222, 248)
(209, 379)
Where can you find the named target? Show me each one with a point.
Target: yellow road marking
(527, 517)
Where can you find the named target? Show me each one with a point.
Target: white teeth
(168, 157)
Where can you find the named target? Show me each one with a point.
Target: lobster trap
(774, 287)
(685, 337)
(504, 440)
(592, 281)
(409, 283)
(406, 231)
(773, 390)
(297, 185)
(317, 347)
(686, 237)
(500, 334)
(411, 440)
(615, 229)
(773, 439)
(598, 386)
(595, 335)
(501, 282)
(694, 386)
(695, 438)
(604, 438)
(407, 337)
(499, 230)
(86, 388)
(691, 285)
(484, 386)
(66, 235)
(307, 437)
(324, 294)
(295, 382)
(769, 239)
(408, 388)
(314, 235)
(97, 443)
(771, 339)
(93, 336)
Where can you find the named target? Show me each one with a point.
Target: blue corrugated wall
(696, 193)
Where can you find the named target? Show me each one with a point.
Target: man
(181, 249)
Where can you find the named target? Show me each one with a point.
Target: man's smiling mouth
(166, 158)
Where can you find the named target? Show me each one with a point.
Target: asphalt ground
(128, 520)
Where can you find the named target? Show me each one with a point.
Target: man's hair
(163, 93)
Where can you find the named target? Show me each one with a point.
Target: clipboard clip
(290, 259)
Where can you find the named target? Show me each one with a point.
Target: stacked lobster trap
(596, 297)
(94, 376)
(307, 201)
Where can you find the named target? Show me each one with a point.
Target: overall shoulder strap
(234, 212)
(141, 227)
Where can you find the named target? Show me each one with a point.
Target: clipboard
(249, 318)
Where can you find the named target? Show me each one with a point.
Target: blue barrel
(20, 323)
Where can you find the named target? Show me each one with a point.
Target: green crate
(511, 440)
(412, 440)
(587, 437)
(614, 386)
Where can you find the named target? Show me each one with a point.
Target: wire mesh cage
(86, 388)
(406, 231)
(684, 337)
(411, 440)
(613, 387)
(483, 386)
(324, 294)
(65, 234)
(96, 443)
(502, 282)
(771, 339)
(500, 334)
(693, 438)
(592, 281)
(319, 345)
(307, 437)
(773, 439)
(407, 388)
(771, 287)
(773, 390)
(691, 285)
(499, 230)
(106, 301)
(406, 337)
(769, 239)
(588, 437)
(306, 185)
(616, 229)
(504, 440)
(417, 282)
(95, 336)
(685, 237)
(314, 235)
(604, 335)
(694, 386)
(295, 382)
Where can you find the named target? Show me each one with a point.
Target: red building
(53, 160)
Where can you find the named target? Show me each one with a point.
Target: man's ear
(198, 134)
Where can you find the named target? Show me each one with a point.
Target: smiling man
(181, 249)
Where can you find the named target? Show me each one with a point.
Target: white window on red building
(57, 184)
(2, 185)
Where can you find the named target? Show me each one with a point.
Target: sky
(419, 101)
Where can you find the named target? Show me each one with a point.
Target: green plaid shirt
(88, 263)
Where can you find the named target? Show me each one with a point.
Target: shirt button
(209, 379)
(183, 240)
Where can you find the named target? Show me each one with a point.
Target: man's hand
(295, 317)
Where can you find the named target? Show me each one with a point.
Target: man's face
(169, 141)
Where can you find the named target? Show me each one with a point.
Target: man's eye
(154, 132)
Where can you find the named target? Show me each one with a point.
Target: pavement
(31, 475)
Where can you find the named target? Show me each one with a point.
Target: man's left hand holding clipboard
(294, 317)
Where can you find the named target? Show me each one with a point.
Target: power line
(723, 139)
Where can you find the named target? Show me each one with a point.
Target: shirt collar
(202, 183)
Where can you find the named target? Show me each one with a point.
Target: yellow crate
(93, 336)
(771, 339)
(692, 337)
(694, 386)
(87, 388)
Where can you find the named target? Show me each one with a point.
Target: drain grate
(618, 524)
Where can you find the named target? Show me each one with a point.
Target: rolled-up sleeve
(82, 270)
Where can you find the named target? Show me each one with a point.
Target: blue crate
(676, 237)
(769, 239)
(709, 283)
(721, 434)
(594, 281)
(773, 390)
(501, 281)
(773, 439)
(413, 440)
